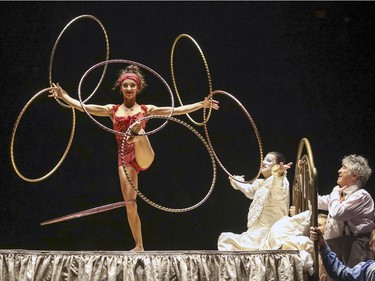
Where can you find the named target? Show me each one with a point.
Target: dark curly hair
(131, 69)
(279, 157)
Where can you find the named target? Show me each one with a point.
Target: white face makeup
(268, 162)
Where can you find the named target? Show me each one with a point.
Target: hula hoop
(256, 134)
(127, 62)
(205, 119)
(54, 50)
(85, 213)
(13, 137)
(172, 210)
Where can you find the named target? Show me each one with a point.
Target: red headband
(131, 76)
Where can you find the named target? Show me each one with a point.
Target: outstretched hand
(214, 104)
(283, 167)
(56, 91)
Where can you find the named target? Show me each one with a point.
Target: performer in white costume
(270, 203)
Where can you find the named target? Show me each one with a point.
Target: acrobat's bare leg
(130, 196)
(144, 154)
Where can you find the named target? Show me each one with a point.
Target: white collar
(349, 189)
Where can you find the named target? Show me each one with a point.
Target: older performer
(350, 210)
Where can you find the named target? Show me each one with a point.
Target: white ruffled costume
(270, 203)
(269, 226)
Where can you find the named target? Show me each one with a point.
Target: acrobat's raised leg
(144, 154)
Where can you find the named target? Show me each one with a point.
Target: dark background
(301, 69)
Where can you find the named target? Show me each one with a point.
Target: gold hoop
(54, 50)
(260, 146)
(13, 137)
(210, 152)
(205, 119)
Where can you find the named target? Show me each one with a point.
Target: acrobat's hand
(56, 91)
(207, 103)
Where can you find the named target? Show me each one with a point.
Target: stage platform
(18, 265)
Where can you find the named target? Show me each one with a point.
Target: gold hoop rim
(205, 118)
(54, 50)
(256, 131)
(210, 152)
(14, 134)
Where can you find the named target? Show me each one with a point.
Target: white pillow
(285, 230)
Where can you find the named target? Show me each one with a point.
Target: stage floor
(199, 265)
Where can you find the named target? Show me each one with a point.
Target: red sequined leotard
(121, 124)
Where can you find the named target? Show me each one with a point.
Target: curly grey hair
(358, 165)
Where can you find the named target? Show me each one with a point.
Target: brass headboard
(305, 189)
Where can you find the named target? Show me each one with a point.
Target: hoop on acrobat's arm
(205, 118)
(54, 51)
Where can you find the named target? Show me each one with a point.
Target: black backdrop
(301, 69)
